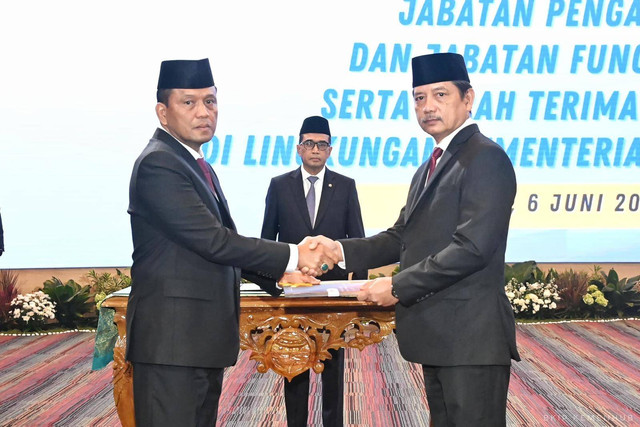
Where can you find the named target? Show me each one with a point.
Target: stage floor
(572, 374)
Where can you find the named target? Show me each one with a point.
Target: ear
(299, 149)
(469, 98)
(329, 151)
(161, 112)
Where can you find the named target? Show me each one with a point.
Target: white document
(328, 288)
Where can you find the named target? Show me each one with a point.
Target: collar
(196, 154)
(444, 144)
(306, 174)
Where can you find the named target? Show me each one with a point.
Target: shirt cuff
(342, 264)
(293, 258)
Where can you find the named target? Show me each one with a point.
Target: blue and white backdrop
(557, 85)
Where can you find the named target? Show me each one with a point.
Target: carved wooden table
(286, 335)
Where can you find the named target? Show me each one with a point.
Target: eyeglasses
(309, 144)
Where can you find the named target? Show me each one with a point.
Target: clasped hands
(317, 255)
(314, 252)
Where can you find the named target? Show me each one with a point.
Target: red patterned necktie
(207, 173)
(437, 152)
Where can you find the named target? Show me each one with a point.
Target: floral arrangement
(595, 296)
(30, 311)
(532, 299)
(613, 296)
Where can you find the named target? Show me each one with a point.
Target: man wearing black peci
(308, 201)
(182, 315)
(452, 314)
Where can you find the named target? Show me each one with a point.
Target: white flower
(531, 298)
(34, 307)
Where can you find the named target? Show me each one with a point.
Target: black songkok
(185, 74)
(315, 124)
(438, 67)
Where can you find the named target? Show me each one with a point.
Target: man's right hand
(329, 244)
(315, 252)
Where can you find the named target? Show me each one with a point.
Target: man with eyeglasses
(311, 201)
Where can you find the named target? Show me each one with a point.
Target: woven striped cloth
(571, 374)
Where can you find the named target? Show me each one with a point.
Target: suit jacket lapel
(416, 189)
(327, 195)
(297, 192)
(453, 148)
(208, 197)
(223, 199)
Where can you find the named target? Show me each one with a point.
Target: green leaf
(523, 272)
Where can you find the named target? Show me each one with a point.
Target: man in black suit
(290, 215)
(452, 314)
(182, 316)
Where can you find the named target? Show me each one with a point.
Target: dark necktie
(207, 173)
(311, 199)
(437, 152)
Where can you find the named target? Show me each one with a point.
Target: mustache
(431, 117)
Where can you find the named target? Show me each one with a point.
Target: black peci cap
(185, 74)
(438, 67)
(315, 124)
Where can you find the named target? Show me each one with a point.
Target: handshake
(317, 255)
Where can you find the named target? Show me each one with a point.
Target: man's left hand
(297, 278)
(378, 291)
